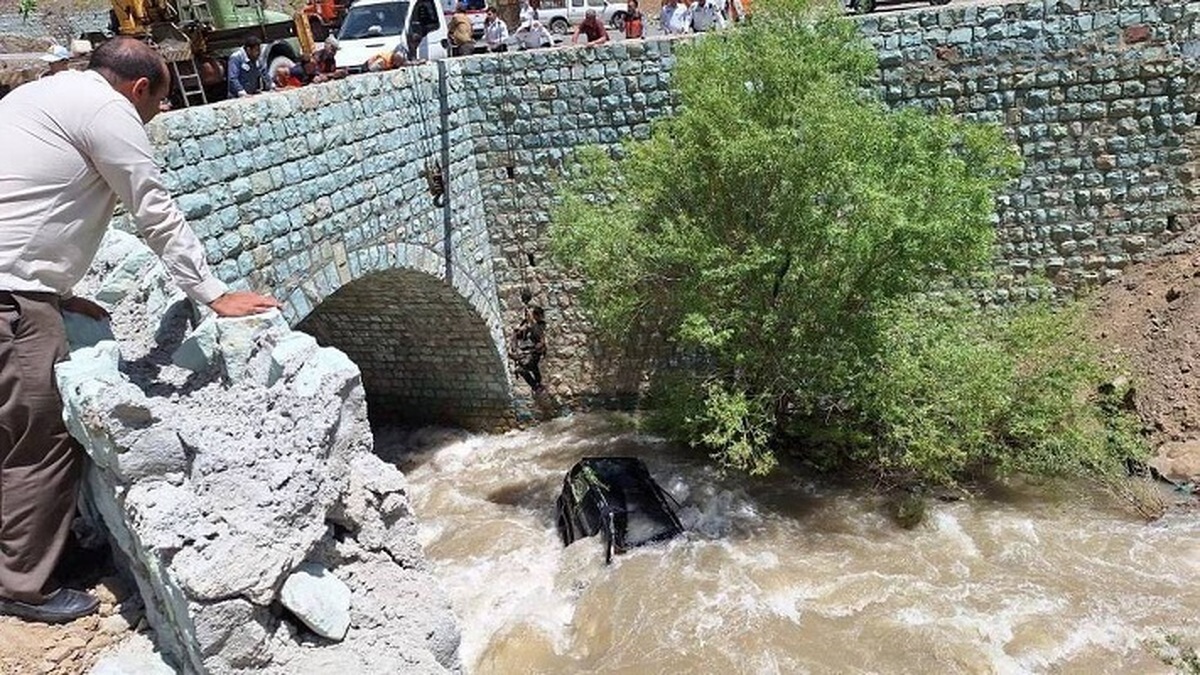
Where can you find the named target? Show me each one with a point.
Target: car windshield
(359, 20)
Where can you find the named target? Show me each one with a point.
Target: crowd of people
(247, 74)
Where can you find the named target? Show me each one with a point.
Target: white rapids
(779, 576)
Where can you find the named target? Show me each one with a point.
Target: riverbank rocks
(1179, 460)
(243, 492)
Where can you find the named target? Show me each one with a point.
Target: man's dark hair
(251, 40)
(128, 59)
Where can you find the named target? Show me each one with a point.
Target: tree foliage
(771, 228)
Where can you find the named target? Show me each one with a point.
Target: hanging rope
(433, 172)
(525, 257)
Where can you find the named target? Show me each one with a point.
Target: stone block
(199, 349)
(289, 354)
(238, 340)
(319, 599)
(155, 454)
(326, 364)
(84, 331)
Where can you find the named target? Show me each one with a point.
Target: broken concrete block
(154, 454)
(135, 656)
(289, 355)
(239, 339)
(128, 275)
(198, 350)
(84, 331)
(324, 363)
(225, 569)
(319, 599)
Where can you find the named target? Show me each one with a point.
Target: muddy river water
(781, 576)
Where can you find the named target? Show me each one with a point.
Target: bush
(956, 391)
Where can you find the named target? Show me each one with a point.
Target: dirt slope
(1150, 319)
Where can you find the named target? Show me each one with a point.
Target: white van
(373, 27)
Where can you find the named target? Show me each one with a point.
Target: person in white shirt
(675, 18)
(77, 145)
(495, 32)
(735, 11)
(534, 36)
(531, 12)
(705, 16)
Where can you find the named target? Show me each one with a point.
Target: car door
(428, 21)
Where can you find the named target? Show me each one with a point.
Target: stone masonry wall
(1101, 98)
(233, 466)
(431, 361)
(302, 193)
(531, 111)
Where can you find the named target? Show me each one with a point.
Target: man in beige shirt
(75, 145)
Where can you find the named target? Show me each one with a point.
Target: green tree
(766, 226)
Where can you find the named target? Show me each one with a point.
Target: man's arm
(118, 147)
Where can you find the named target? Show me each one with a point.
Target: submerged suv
(617, 498)
(376, 26)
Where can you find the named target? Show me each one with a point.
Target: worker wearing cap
(59, 59)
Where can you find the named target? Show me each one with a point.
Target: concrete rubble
(264, 534)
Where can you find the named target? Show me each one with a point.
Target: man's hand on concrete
(80, 305)
(243, 303)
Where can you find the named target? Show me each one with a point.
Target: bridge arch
(430, 352)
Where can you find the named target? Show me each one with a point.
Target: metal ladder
(187, 74)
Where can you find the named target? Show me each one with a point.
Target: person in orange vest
(633, 21)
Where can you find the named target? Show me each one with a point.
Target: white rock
(134, 656)
(319, 599)
(289, 355)
(324, 363)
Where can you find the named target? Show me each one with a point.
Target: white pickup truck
(561, 15)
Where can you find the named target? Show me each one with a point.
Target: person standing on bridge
(495, 32)
(675, 17)
(78, 146)
(246, 75)
(706, 16)
(633, 21)
(462, 35)
(591, 27)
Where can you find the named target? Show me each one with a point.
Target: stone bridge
(232, 493)
(317, 196)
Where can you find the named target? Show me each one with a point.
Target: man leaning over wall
(77, 144)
